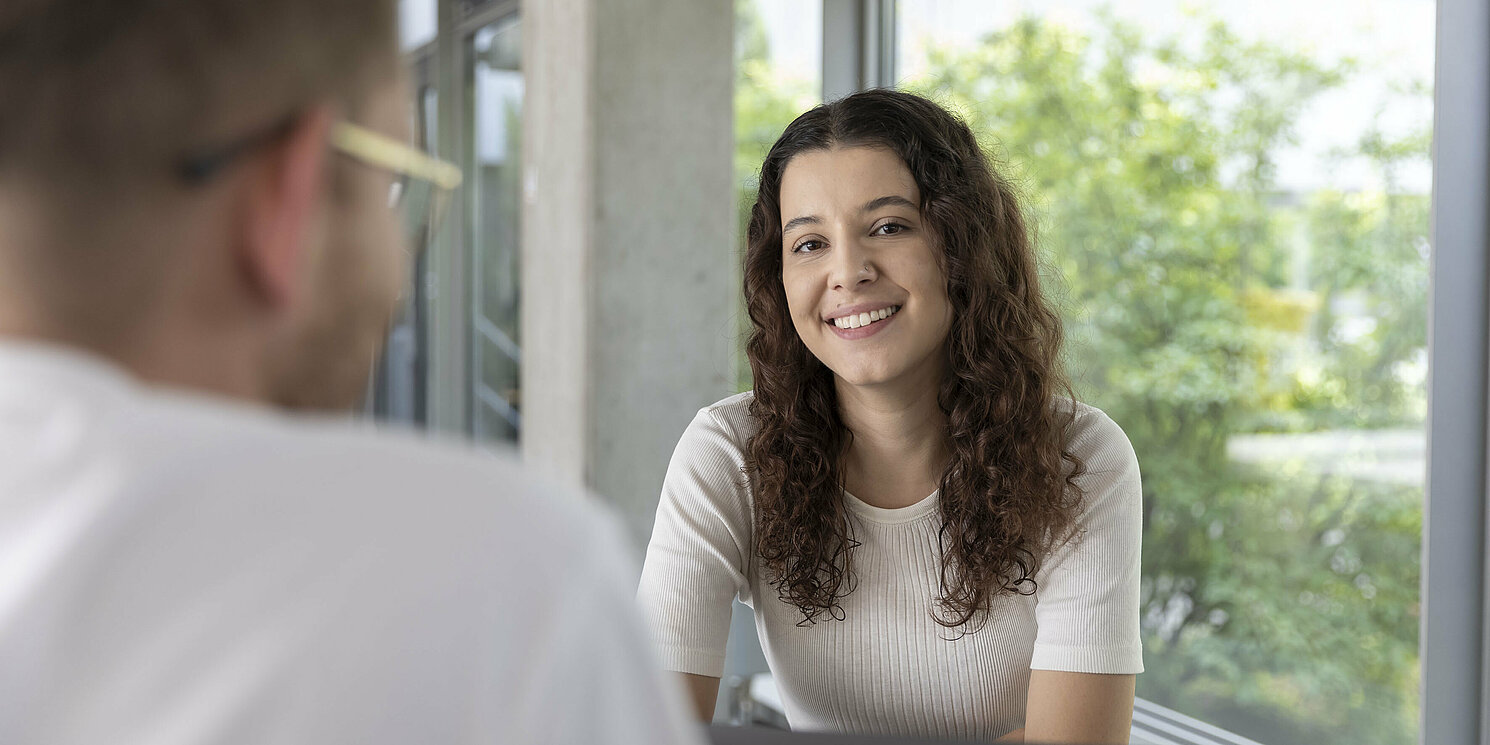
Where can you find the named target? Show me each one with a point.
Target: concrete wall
(630, 277)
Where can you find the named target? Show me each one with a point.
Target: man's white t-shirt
(177, 569)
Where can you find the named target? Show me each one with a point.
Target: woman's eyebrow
(797, 222)
(891, 200)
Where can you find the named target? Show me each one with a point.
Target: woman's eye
(889, 228)
(806, 247)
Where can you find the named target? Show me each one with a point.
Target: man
(196, 233)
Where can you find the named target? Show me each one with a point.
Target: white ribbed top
(888, 667)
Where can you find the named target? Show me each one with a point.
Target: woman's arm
(697, 558)
(1078, 707)
(1087, 647)
(703, 691)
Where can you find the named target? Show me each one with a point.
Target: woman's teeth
(864, 319)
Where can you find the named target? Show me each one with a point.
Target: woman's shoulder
(707, 470)
(1111, 514)
(728, 417)
(1097, 440)
(718, 435)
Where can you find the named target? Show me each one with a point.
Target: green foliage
(1201, 304)
(765, 102)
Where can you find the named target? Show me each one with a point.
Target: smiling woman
(936, 540)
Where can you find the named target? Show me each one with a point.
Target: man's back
(177, 569)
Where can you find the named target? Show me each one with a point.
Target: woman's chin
(865, 376)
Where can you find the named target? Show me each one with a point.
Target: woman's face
(863, 282)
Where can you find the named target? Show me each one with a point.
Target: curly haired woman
(936, 541)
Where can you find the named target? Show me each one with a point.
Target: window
(493, 204)
(1238, 205)
(417, 23)
(778, 75)
(399, 388)
(453, 360)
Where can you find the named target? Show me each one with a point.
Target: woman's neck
(899, 447)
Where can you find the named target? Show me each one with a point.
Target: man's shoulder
(352, 565)
(315, 464)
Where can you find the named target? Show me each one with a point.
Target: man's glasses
(422, 185)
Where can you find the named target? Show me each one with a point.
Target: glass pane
(398, 392)
(778, 75)
(417, 23)
(1236, 197)
(496, 94)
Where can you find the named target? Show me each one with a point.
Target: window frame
(1452, 641)
(859, 46)
(449, 384)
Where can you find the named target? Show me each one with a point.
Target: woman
(934, 540)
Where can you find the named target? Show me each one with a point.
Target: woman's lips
(863, 332)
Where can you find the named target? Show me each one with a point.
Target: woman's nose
(853, 267)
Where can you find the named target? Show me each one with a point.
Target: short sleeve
(1086, 601)
(698, 559)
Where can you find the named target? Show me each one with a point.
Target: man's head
(169, 196)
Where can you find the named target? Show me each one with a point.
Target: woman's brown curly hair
(1009, 489)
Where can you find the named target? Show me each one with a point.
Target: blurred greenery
(767, 99)
(1203, 302)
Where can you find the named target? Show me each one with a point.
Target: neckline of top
(895, 516)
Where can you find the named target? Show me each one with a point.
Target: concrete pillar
(630, 277)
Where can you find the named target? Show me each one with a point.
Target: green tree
(1372, 248)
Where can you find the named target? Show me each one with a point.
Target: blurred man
(197, 230)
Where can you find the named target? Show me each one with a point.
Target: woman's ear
(283, 197)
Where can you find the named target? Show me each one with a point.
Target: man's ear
(286, 189)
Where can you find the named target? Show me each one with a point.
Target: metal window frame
(447, 266)
(859, 46)
(1452, 639)
(451, 388)
(480, 330)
